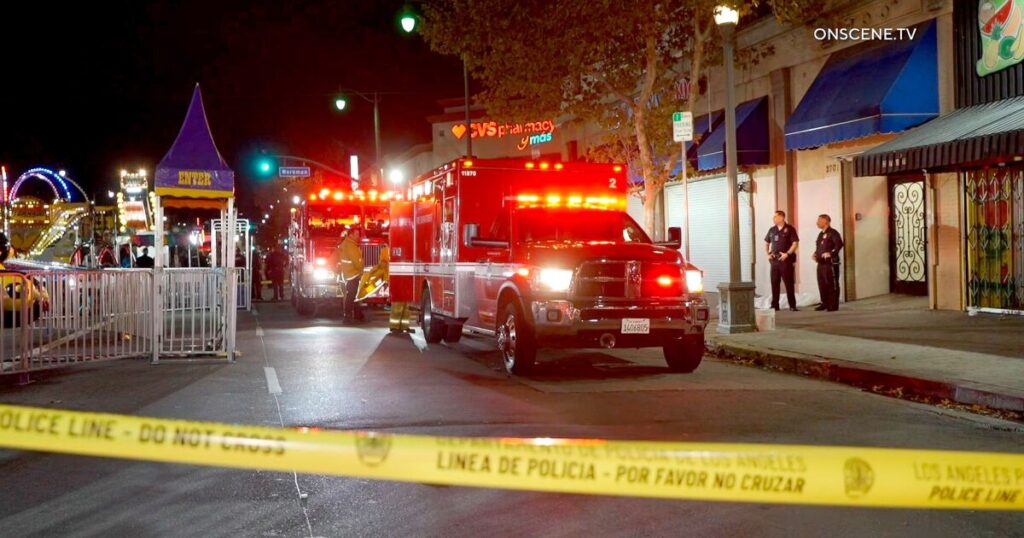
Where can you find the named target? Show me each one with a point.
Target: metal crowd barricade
(76, 317)
(14, 336)
(79, 316)
(195, 321)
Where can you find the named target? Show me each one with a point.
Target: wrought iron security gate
(908, 258)
(995, 238)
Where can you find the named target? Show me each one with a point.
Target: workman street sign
(293, 171)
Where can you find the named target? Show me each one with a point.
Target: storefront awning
(752, 147)
(702, 127)
(978, 134)
(876, 87)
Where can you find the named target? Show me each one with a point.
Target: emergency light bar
(572, 201)
(340, 196)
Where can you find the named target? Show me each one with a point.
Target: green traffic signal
(265, 166)
(340, 103)
(408, 22)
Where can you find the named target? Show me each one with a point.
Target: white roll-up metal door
(674, 214)
(709, 231)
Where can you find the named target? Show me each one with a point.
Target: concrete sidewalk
(894, 344)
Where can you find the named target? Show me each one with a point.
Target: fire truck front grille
(618, 280)
(371, 254)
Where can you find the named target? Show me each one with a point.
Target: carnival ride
(62, 228)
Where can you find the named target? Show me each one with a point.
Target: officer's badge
(859, 477)
(372, 448)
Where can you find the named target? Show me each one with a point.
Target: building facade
(804, 113)
(969, 162)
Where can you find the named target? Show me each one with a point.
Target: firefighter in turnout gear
(826, 253)
(781, 244)
(350, 265)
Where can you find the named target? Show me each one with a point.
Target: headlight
(322, 274)
(694, 281)
(555, 279)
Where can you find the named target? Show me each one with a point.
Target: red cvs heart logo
(458, 130)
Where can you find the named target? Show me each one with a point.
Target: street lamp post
(373, 98)
(736, 298)
(408, 21)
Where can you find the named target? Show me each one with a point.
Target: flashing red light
(617, 168)
(544, 166)
(338, 196)
(467, 163)
(530, 165)
(664, 281)
(559, 166)
(312, 197)
(523, 272)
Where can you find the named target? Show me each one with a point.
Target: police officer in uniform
(826, 253)
(781, 244)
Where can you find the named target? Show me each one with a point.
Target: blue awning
(752, 145)
(876, 87)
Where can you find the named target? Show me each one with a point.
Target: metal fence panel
(79, 316)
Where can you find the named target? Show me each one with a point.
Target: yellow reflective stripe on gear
(787, 474)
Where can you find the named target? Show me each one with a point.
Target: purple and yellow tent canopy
(193, 168)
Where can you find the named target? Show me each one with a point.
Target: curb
(868, 377)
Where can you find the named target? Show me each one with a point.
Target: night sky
(94, 87)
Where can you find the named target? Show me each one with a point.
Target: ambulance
(538, 255)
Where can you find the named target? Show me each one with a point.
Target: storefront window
(995, 237)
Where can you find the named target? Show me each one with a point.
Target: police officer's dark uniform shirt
(831, 242)
(781, 240)
(782, 271)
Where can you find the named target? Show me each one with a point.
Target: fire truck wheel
(433, 327)
(516, 341)
(305, 307)
(684, 355)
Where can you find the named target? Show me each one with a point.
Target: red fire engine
(541, 254)
(314, 234)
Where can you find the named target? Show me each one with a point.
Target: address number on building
(636, 326)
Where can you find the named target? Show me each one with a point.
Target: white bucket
(765, 320)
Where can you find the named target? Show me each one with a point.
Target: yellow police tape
(791, 474)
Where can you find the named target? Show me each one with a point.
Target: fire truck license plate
(636, 326)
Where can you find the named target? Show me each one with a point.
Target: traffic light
(265, 166)
(340, 102)
(407, 19)
(408, 23)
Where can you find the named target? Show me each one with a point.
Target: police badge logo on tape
(372, 448)
(859, 477)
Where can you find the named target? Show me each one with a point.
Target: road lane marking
(272, 384)
(268, 371)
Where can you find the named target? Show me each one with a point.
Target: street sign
(682, 126)
(293, 171)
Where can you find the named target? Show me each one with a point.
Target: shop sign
(1002, 34)
(493, 129)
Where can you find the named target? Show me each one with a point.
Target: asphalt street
(301, 372)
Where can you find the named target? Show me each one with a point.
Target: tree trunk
(651, 184)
